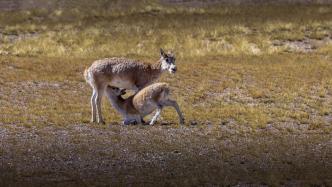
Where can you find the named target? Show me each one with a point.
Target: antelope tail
(86, 75)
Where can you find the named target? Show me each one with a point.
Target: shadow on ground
(86, 155)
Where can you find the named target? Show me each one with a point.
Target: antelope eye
(167, 60)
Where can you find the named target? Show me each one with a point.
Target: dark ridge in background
(10, 5)
(242, 2)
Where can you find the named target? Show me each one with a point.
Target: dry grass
(224, 30)
(258, 110)
(251, 91)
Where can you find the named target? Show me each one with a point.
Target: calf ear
(122, 91)
(162, 53)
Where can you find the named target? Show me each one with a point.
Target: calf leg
(177, 108)
(155, 117)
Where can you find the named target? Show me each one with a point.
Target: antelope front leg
(93, 107)
(98, 98)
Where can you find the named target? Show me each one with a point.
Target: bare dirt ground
(87, 155)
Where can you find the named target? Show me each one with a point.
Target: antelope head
(167, 61)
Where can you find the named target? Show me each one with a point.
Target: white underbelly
(122, 83)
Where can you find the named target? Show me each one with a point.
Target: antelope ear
(162, 53)
(172, 54)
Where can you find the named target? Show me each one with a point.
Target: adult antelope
(123, 73)
(134, 108)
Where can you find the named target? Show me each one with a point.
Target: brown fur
(131, 72)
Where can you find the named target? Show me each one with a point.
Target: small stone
(164, 123)
(193, 123)
(224, 122)
(176, 152)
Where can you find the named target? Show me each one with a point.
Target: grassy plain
(254, 83)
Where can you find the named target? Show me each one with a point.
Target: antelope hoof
(129, 122)
(133, 122)
(182, 121)
(126, 122)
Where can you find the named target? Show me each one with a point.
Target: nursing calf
(136, 107)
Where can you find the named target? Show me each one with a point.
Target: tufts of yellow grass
(192, 32)
(246, 91)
